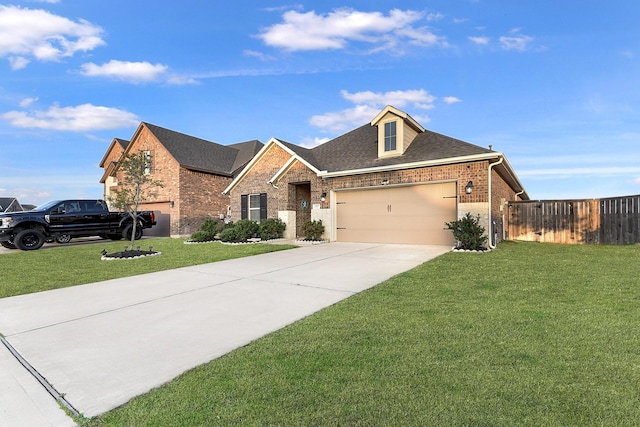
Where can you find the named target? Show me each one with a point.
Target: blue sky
(552, 84)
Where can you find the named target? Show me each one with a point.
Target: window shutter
(244, 205)
(263, 206)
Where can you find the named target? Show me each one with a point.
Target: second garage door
(414, 214)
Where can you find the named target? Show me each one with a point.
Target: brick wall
(475, 172)
(200, 198)
(281, 198)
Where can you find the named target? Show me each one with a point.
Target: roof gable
(10, 204)
(117, 143)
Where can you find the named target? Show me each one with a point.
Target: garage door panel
(412, 214)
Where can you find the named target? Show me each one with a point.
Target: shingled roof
(10, 204)
(205, 156)
(358, 149)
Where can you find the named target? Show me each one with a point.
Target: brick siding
(196, 196)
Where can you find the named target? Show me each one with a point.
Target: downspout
(491, 165)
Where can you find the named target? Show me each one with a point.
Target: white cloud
(81, 118)
(27, 101)
(260, 55)
(451, 100)
(368, 105)
(135, 72)
(481, 40)
(335, 30)
(398, 98)
(27, 34)
(18, 62)
(343, 120)
(515, 41)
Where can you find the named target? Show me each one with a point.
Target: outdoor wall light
(171, 204)
(323, 197)
(469, 188)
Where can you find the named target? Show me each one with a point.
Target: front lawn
(529, 334)
(62, 266)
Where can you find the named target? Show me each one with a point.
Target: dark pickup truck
(64, 219)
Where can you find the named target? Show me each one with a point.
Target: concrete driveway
(103, 343)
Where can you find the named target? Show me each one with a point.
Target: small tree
(468, 232)
(136, 187)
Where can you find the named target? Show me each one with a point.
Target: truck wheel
(128, 229)
(29, 239)
(8, 245)
(63, 238)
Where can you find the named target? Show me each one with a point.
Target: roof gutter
(426, 163)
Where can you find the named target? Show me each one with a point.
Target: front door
(303, 207)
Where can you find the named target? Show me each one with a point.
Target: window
(390, 136)
(253, 206)
(147, 162)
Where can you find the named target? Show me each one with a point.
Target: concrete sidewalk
(103, 343)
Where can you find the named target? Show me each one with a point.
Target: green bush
(313, 230)
(207, 232)
(241, 231)
(210, 226)
(468, 232)
(272, 228)
(228, 235)
(201, 236)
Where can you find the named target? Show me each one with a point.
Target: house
(193, 171)
(10, 204)
(389, 181)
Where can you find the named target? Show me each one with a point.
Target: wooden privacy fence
(613, 221)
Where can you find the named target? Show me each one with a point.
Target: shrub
(240, 231)
(245, 229)
(468, 232)
(201, 236)
(210, 226)
(313, 230)
(228, 235)
(272, 228)
(207, 232)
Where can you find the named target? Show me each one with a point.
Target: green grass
(59, 267)
(529, 334)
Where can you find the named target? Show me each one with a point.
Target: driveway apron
(101, 344)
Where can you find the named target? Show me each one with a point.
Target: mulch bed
(128, 254)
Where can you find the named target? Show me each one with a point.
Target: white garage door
(414, 214)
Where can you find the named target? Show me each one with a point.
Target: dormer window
(390, 136)
(396, 131)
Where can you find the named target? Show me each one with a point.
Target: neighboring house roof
(10, 204)
(117, 142)
(205, 156)
(356, 152)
